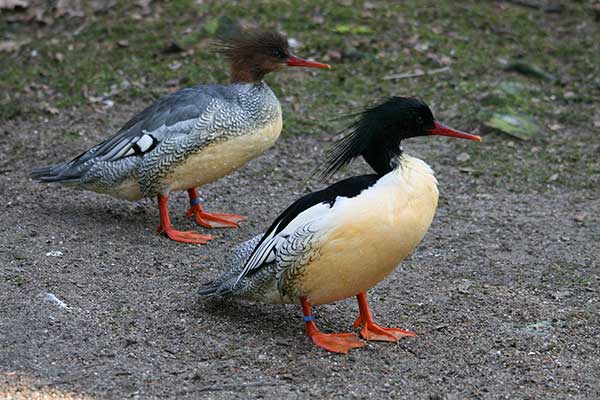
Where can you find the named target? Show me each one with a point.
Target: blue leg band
(196, 201)
(308, 318)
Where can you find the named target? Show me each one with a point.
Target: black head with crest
(378, 132)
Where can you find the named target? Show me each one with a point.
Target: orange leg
(209, 220)
(178, 236)
(334, 342)
(372, 331)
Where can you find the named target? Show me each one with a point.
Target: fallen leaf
(553, 177)
(334, 55)
(69, 8)
(520, 127)
(528, 69)
(175, 65)
(145, 6)
(50, 109)
(555, 127)
(10, 45)
(12, 4)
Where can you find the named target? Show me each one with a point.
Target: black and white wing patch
(276, 237)
(137, 146)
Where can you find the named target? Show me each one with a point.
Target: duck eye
(277, 54)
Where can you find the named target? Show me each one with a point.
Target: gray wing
(172, 115)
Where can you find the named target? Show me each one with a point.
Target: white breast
(372, 233)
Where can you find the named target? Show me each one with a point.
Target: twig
(538, 5)
(417, 74)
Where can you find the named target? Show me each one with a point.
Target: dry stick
(417, 74)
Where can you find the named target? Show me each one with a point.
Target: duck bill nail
(443, 130)
(294, 61)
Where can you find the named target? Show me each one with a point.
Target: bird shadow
(278, 321)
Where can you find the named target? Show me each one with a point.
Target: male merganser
(341, 241)
(191, 137)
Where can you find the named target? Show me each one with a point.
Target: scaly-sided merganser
(341, 241)
(191, 137)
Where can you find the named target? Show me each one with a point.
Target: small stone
(51, 298)
(555, 127)
(54, 253)
(174, 66)
(462, 157)
(579, 217)
(123, 43)
(553, 177)
(295, 43)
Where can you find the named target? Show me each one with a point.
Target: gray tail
(50, 173)
(220, 287)
(210, 289)
(57, 173)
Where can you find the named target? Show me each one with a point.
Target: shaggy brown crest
(254, 53)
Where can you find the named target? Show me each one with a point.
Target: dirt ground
(503, 292)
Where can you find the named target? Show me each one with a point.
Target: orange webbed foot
(333, 342)
(209, 220)
(336, 342)
(372, 331)
(184, 236)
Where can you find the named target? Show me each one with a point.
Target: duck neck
(383, 159)
(239, 74)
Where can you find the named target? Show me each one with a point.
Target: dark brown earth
(503, 293)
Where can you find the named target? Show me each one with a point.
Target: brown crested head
(254, 53)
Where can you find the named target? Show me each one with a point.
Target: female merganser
(191, 137)
(341, 241)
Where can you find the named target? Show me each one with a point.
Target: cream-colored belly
(367, 246)
(221, 158)
(128, 189)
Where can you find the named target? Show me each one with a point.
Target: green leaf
(518, 126)
(353, 29)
